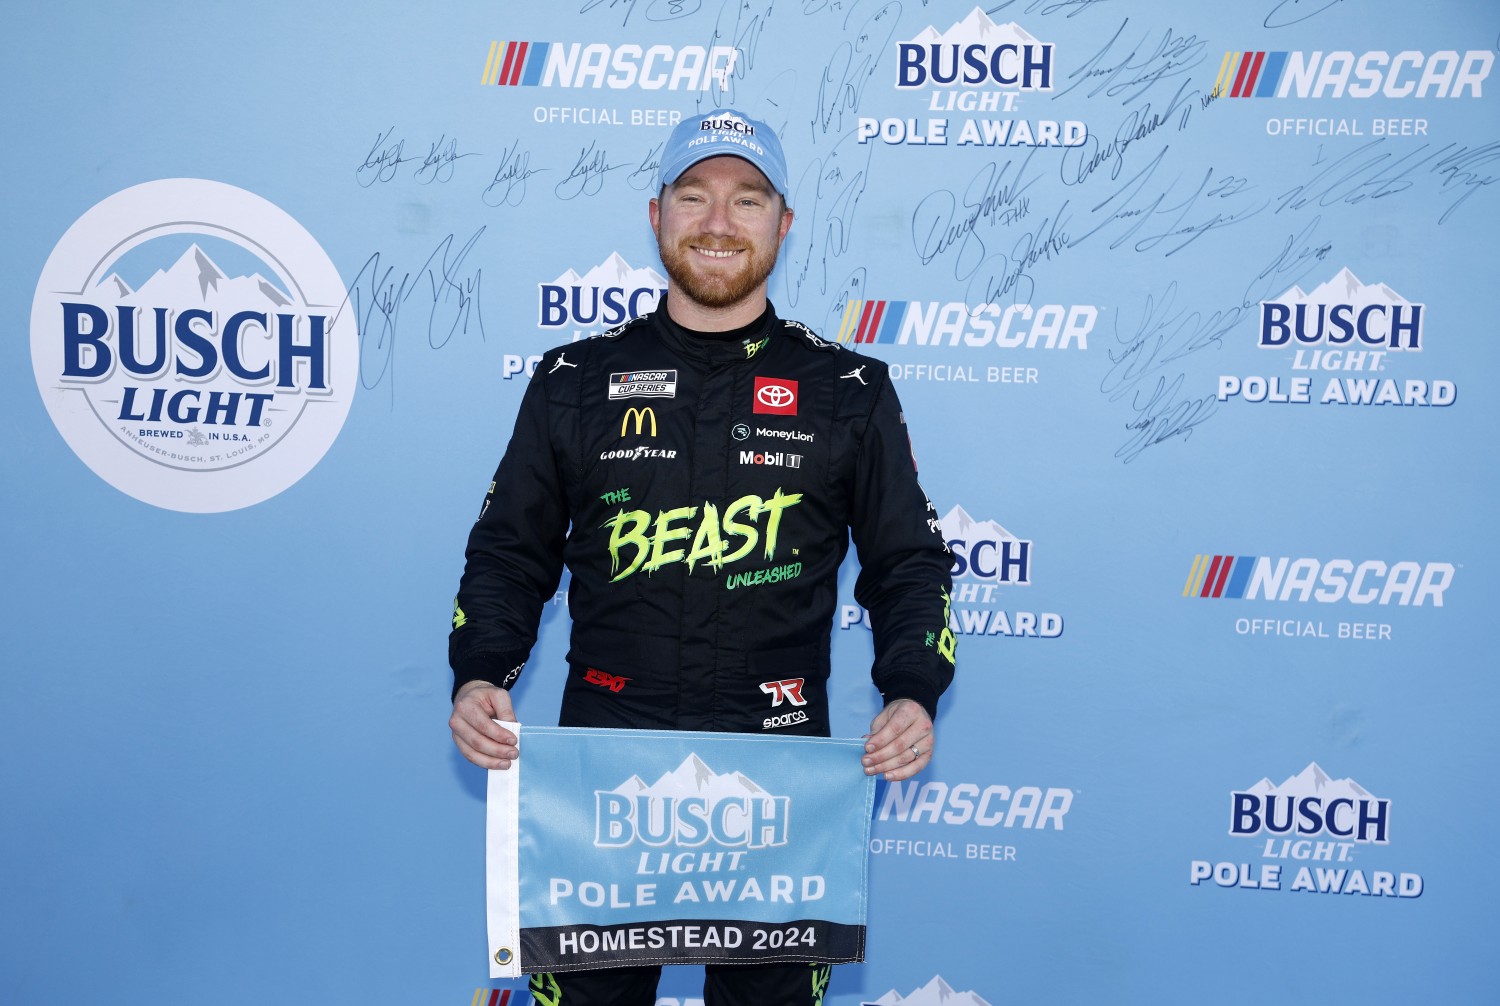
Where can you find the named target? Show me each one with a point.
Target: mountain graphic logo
(975, 52)
(936, 992)
(1342, 312)
(985, 551)
(190, 342)
(692, 805)
(1311, 803)
(609, 294)
(976, 28)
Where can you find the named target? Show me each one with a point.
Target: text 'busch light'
(1027, 66)
(750, 821)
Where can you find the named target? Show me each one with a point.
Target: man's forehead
(740, 172)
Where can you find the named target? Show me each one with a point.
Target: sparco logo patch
(783, 720)
(183, 328)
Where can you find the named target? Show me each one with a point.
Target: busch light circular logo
(188, 341)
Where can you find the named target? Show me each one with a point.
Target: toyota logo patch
(775, 396)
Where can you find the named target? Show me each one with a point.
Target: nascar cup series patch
(643, 384)
(616, 847)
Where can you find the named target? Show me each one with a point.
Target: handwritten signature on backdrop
(997, 232)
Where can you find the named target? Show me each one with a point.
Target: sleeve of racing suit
(904, 579)
(514, 556)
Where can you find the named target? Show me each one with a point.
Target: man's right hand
(479, 738)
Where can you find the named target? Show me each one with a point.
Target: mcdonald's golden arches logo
(640, 415)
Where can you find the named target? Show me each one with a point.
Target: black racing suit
(701, 492)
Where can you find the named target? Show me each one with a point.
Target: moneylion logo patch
(183, 328)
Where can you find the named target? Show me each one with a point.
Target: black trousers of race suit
(723, 985)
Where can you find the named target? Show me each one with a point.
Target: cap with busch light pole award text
(721, 132)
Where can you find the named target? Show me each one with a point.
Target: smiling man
(700, 471)
(719, 227)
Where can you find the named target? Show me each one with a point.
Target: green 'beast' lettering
(711, 541)
(947, 644)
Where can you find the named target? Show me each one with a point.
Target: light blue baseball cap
(720, 132)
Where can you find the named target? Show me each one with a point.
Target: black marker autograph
(1373, 171)
(508, 186)
(586, 177)
(449, 295)
(1129, 72)
(382, 161)
(437, 166)
(944, 223)
(1146, 363)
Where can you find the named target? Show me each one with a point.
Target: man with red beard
(699, 471)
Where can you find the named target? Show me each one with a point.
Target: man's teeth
(717, 253)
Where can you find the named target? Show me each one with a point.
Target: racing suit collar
(709, 348)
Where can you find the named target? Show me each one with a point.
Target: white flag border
(503, 867)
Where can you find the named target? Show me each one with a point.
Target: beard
(707, 284)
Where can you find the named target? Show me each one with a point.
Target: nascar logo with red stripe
(954, 323)
(1338, 74)
(596, 64)
(1326, 581)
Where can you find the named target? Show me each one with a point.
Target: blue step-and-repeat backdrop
(1189, 306)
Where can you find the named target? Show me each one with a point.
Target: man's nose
(717, 220)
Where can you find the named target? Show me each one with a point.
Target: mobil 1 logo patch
(643, 384)
(182, 329)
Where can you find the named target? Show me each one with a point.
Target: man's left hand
(900, 741)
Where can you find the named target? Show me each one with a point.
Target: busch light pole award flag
(616, 847)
